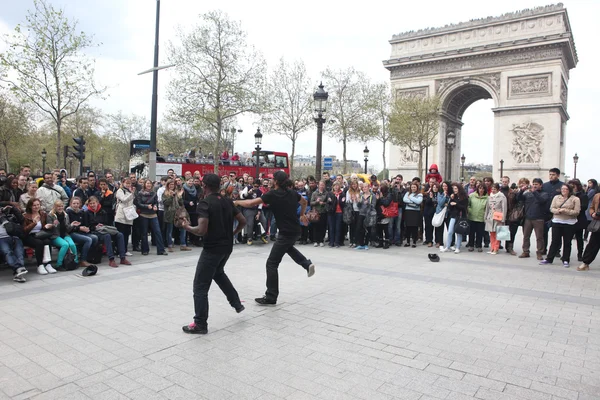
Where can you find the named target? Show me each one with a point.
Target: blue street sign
(327, 163)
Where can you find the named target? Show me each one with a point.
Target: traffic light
(79, 152)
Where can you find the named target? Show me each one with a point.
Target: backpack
(95, 254)
(69, 262)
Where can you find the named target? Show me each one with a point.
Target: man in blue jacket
(536, 203)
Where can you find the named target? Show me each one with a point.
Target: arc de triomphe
(521, 60)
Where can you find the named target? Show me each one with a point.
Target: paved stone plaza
(369, 325)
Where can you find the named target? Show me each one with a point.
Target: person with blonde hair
(62, 227)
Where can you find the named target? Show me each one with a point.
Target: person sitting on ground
(80, 232)
(11, 247)
(97, 219)
(59, 219)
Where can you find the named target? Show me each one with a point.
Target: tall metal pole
(366, 161)
(257, 161)
(501, 169)
(154, 115)
(319, 120)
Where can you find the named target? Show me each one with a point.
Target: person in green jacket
(476, 214)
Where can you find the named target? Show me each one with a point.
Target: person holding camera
(395, 225)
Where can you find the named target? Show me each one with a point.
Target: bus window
(281, 162)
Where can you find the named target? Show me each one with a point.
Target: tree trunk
(345, 169)
(292, 156)
(6, 165)
(58, 137)
(420, 171)
(385, 171)
(217, 145)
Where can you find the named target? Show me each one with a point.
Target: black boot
(386, 244)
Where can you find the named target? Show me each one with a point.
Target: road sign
(328, 163)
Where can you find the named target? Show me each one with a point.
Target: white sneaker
(456, 251)
(493, 253)
(321, 244)
(42, 270)
(490, 252)
(452, 248)
(316, 244)
(443, 249)
(50, 269)
(128, 254)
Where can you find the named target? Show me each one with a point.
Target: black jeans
(360, 229)
(284, 244)
(513, 227)
(38, 246)
(476, 234)
(125, 230)
(211, 267)
(320, 227)
(561, 233)
(591, 250)
(353, 227)
(136, 237)
(428, 228)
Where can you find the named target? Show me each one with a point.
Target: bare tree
(414, 123)
(289, 111)
(13, 124)
(51, 69)
(376, 125)
(219, 75)
(349, 105)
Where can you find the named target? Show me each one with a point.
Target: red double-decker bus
(270, 162)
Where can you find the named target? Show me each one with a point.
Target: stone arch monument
(520, 60)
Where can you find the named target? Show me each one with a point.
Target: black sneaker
(20, 279)
(263, 301)
(193, 328)
(240, 308)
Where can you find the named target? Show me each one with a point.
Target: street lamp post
(575, 161)
(44, 155)
(462, 168)
(450, 140)
(501, 169)
(320, 98)
(257, 141)
(70, 160)
(366, 154)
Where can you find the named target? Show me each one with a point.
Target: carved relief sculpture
(563, 92)
(407, 156)
(527, 143)
(491, 79)
(530, 85)
(421, 92)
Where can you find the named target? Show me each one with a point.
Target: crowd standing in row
(102, 216)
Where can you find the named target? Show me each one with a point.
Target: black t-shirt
(284, 205)
(220, 213)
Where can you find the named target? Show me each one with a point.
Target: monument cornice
(461, 62)
(477, 23)
(538, 108)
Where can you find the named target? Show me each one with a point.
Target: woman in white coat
(125, 197)
(496, 205)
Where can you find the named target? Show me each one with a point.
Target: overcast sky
(321, 33)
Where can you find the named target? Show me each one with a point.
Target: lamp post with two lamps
(320, 97)
(575, 161)
(257, 140)
(450, 141)
(366, 154)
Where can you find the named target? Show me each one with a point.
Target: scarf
(191, 190)
(95, 210)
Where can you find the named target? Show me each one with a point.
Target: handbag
(498, 216)
(594, 226)
(130, 212)
(107, 229)
(462, 226)
(181, 215)
(69, 262)
(42, 235)
(348, 213)
(439, 218)
(517, 213)
(14, 229)
(390, 211)
(313, 216)
(502, 233)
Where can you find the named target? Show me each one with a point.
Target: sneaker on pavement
(452, 248)
(566, 264)
(311, 270)
(249, 242)
(366, 247)
(128, 254)
(193, 328)
(20, 272)
(263, 301)
(457, 251)
(321, 244)
(545, 262)
(359, 248)
(41, 270)
(263, 238)
(239, 308)
(20, 279)
(50, 269)
(316, 244)
(443, 249)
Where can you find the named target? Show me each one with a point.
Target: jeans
(153, 224)
(395, 228)
(564, 233)
(428, 228)
(282, 245)
(125, 230)
(591, 250)
(319, 228)
(135, 233)
(12, 250)
(250, 215)
(86, 240)
(352, 227)
(64, 244)
(361, 231)
(476, 234)
(335, 229)
(459, 237)
(108, 239)
(270, 217)
(211, 267)
(536, 225)
(181, 235)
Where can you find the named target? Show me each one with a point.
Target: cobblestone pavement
(378, 324)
